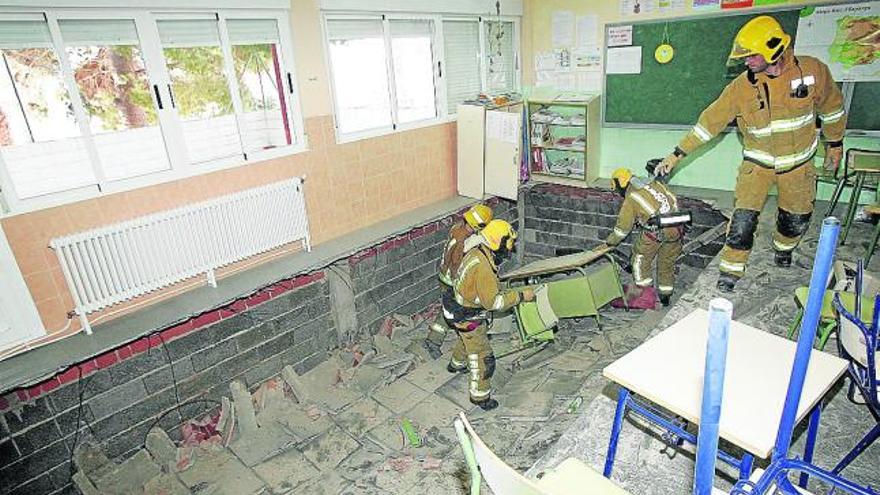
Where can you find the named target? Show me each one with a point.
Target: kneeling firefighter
(463, 236)
(653, 209)
(467, 308)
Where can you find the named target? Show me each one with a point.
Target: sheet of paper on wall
(624, 60)
(587, 31)
(619, 36)
(502, 126)
(845, 38)
(706, 4)
(670, 5)
(587, 59)
(562, 28)
(637, 7)
(563, 59)
(545, 61)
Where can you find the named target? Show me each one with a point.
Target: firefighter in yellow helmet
(653, 209)
(775, 104)
(477, 292)
(463, 236)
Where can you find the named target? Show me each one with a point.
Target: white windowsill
(358, 136)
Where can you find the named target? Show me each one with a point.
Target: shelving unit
(564, 140)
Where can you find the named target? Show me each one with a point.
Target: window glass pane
(413, 58)
(39, 138)
(201, 91)
(257, 58)
(113, 84)
(461, 42)
(360, 80)
(500, 60)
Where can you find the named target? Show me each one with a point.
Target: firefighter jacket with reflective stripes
(778, 128)
(453, 251)
(643, 200)
(477, 285)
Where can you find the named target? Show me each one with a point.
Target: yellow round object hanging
(664, 53)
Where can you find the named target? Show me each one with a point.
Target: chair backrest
(500, 477)
(862, 160)
(858, 341)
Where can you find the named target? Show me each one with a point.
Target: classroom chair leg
(838, 191)
(812, 432)
(860, 447)
(825, 331)
(873, 245)
(745, 466)
(853, 205)
(619, 412)
(792, 330)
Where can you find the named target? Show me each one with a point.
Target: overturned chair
(571, 476)
(582, 284)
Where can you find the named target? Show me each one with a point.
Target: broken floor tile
(431, 375)
(286, 471)
(400, 395)
(361, 466)
(329, 449)
(165, 484)
(218, 472)
(265, 442)
(130, 476)
(326, 484)
(362, 416)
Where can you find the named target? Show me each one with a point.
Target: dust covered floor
(339, 429)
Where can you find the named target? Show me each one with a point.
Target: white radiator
(111, 264)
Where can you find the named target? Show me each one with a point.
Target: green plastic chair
(873, 210)
(828, 321)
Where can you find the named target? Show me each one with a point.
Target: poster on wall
(762, 3)
(637, 7)
(706, 4)
(736, 4)
(670, 5)
(846, 37)
(625, 60)
(563, 28)
(619, 36)
(587, 30)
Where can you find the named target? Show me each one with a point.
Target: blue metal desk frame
(627, 402)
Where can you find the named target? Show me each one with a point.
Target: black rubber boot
(486, 405)
(726, 282)
(783, 258)
(456, 369)
(664, 299)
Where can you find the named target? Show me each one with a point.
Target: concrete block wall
(400, 275)
(565, 216)
(125, 391)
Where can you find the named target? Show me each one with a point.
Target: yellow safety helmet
(496, 232)
(478, 216)
(761, 36)
(621, 177)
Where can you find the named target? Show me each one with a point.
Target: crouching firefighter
(653, 209)
(463, 236)
(468, 307)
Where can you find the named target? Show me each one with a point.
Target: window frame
(439, 66)
(145, 20)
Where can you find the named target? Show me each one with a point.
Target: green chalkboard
(864, 109)
(676, 92)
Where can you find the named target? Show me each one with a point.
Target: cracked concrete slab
(284, 472)
(400, 395)
(130, 476)
(330, 448)
(362, 416)
(217, 472)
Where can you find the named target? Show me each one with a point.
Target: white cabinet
(19, 320)
(489, 150)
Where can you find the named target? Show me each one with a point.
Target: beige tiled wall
(348, 186)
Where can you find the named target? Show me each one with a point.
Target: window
(109, 70)
(360, 76)
(94, 103)
(461, 44)
(399, 71)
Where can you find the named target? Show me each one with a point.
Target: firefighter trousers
(438, 329)
(473, 349)
(797, 193)
(649, 246)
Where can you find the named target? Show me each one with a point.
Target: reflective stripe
(447, 314)
(702, 133)
(444, 277)
(637, 271)
(457, 364)
(782, 246)
(832, 117)
(785, 161)
(644, 282)
(462, 272)
(782, 125)
(665, 288)
(499, 301)
(732, 266)
(643, 203)
(620, 232)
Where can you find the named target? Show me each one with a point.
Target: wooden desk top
(557, 264)
(668, 370)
